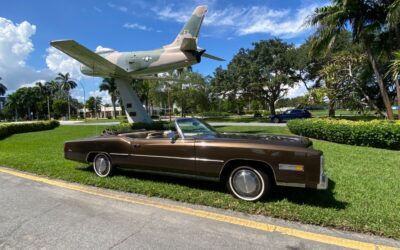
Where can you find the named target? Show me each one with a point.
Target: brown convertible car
(248, 164)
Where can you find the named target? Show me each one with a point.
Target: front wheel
(276, 120)
(102, 165)
(248, 183)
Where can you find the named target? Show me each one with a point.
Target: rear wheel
(249, 183)
(276, 120)
(102, 165)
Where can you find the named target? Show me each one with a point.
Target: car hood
(292, 141)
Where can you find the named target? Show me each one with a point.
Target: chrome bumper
(323, 179)
(323, 182)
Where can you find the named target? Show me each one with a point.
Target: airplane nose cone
(200, 10)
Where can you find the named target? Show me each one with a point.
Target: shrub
(16, 128)
(376, 133)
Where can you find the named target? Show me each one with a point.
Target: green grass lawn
(364, 192)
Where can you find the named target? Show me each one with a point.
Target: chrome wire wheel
(248, 183)
(102, 165)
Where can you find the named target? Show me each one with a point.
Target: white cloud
(137, 26)
(105, 97)
(57, 62)
(246, 20)
(15, 47)
(298, 90)
(102, 49)
(118, 7)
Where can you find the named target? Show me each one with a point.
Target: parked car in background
(290, 114)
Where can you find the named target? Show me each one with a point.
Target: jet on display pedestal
(126, 66)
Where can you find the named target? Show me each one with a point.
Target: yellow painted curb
(322, 238)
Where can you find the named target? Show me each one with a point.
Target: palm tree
(66, 84)
(3, 88)
(45, 91)
(109, 85)
(393, 19)
(13, 102)
(394, 71)
(367, 20)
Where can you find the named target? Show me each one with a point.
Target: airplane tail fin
(191, 28)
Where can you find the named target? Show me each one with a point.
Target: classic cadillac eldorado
(249, 164)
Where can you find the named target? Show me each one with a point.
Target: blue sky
(27, 27)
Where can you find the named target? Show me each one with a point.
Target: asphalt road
(42, 214)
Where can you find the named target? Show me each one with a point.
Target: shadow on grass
(312, 197)
(300, 196)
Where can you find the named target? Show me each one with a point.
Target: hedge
(375, 133)
(16, 128)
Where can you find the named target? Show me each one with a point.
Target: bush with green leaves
(16, 128)
(375, 133)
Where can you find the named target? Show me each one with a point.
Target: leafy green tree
(66, 84)
(368, 22)
(13, 102)
(3, 88)
(271, 70)
(394, 71)
(142, 88)
(110, 86)
(94, 105)
(45, 92)
(60, 108)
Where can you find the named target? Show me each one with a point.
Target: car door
(286, 115)
(164, 154)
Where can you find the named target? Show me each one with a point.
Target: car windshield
(191, 127)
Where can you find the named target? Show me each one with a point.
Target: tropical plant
(367, 20)
(110, 86)
(66, 84)
(3, 88)
(45, 92)
(394, 71)
(94, 105)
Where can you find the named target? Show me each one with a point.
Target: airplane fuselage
(145, 62)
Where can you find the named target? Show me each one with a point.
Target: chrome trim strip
(205, 159)
(247, 159)
(179, 130)
(179, 158)
(323, 180)
(188, 176)
(289, 184)
(119, 154)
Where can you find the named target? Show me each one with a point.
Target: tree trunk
(381, 84)
(69, 108)
(398, 97)
(331, 109)
(48, 108)
(113, 100)
(272, 108)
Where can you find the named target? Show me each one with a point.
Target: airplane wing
(213, 57)
(90, 59)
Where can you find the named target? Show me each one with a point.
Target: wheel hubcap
(102, 165)
(246, 183)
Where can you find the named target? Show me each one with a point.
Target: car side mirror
(173, 136)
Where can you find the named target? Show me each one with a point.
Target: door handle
(136, 145)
